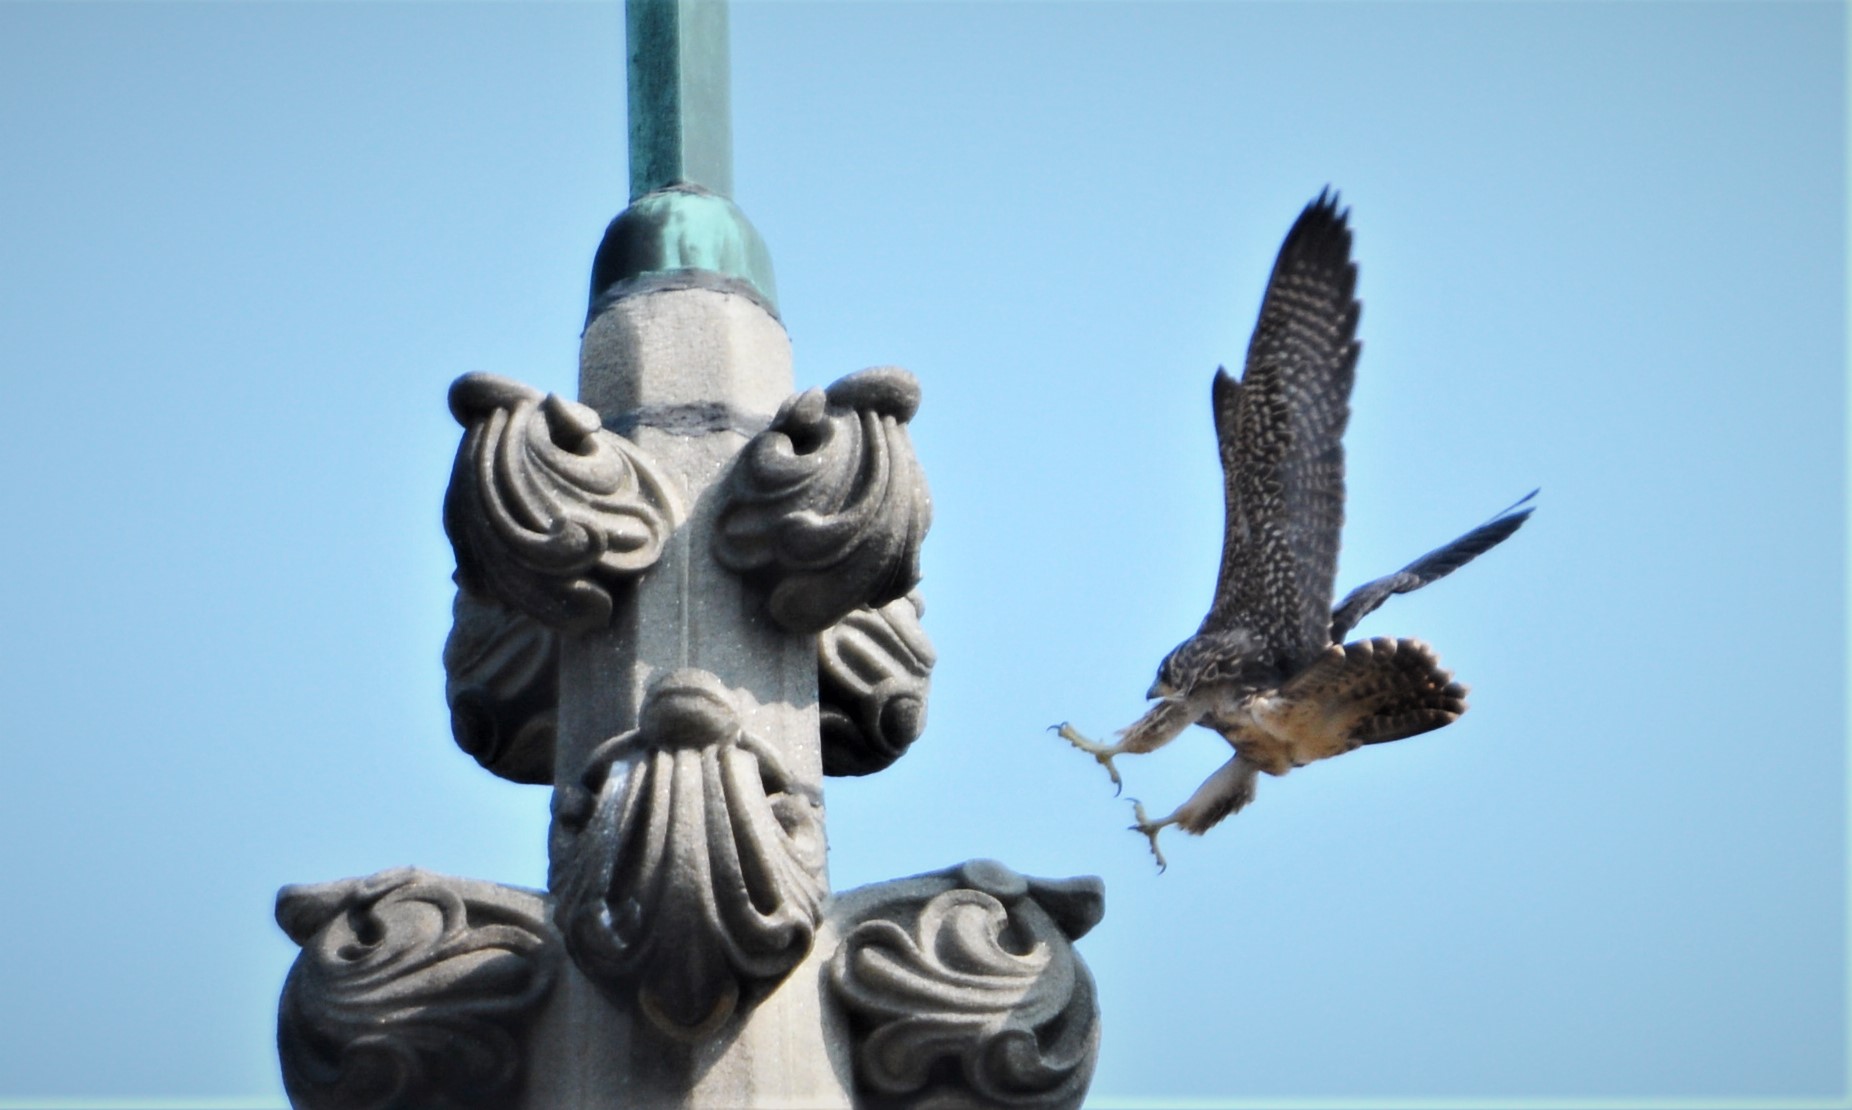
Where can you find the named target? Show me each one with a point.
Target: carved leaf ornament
(687, 862)
(874, 668)
(548, 511)
(501, 678)
(411, 991)
(874, 671)
(827, 507)
(964, 990)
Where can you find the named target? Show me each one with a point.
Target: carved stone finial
(412, 990)
(963, 988)
(547, 510)
(874, 668)
(827, 507)
(687, 861)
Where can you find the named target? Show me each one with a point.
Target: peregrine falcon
(1268, 669)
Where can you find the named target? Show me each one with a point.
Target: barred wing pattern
(1280, 431)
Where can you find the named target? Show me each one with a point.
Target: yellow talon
(1150, 830)
(1102, 752)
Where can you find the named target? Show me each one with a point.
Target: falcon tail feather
(1368, 692)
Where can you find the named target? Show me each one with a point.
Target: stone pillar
(689, 373)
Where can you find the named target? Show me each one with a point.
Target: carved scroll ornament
(501, 678)
(547, 511)
(874, 668)
(687, 862)
(413, 990)
(874, 671)
(963, 989)
(827, 507)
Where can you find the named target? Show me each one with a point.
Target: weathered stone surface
(826, 508)
(690, 372)
(963, 988)
(874, 673)
(687, 862)
(501, 679)
(413, 990)
(874, 670)
(690, 722)
(547, 511)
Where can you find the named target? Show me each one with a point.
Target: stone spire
(683, 599)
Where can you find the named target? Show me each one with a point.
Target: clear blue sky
(1602, 249)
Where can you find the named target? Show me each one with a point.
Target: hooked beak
(1161, 689)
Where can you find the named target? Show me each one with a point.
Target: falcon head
(1213, 657)
(1177, 672)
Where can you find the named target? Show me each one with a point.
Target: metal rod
(681, 127)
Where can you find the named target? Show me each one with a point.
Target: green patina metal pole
(681, 130)
(682, 222)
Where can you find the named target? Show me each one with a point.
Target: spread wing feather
(1433, 566)
(1280, 430)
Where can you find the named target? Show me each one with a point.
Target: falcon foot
(1150, 829)
(1102, 752)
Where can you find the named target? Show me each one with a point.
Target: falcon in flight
(1269, 669)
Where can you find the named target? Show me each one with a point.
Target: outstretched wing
(1435, 565)
(1280, 429)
